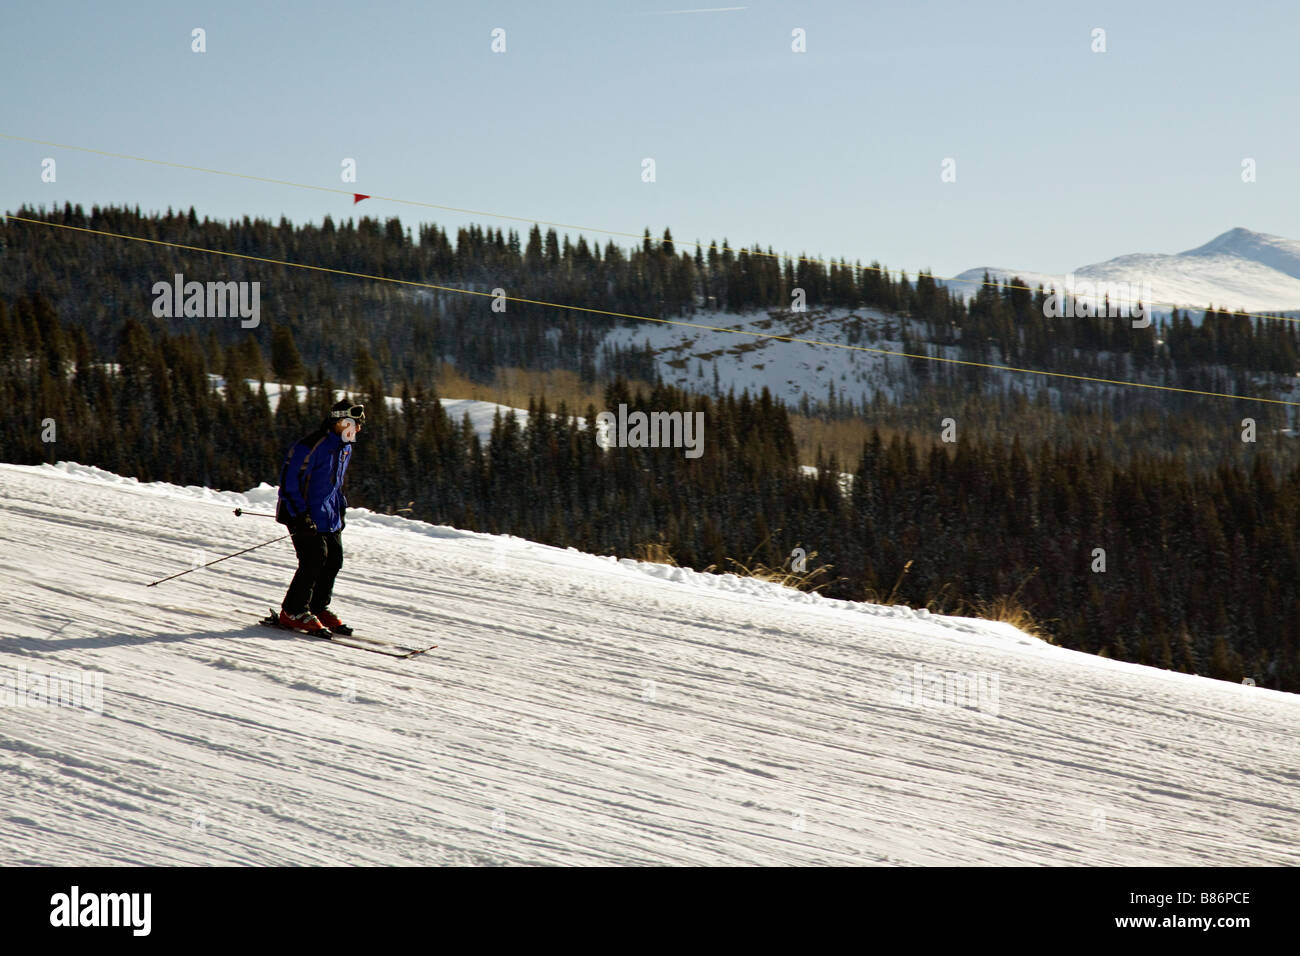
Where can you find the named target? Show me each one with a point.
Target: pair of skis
(358, 641)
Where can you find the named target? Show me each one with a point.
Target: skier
(312, 506)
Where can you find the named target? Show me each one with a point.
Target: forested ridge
(1197, 527)
(97, 282)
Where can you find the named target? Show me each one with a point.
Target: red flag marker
(357, 197)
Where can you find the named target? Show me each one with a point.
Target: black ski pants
(320, 556)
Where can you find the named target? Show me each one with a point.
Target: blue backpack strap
(305, 482)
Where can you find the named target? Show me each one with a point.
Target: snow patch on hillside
(773, 350)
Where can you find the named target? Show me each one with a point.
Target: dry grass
(660, 552)
(1008, 609)
(843, 438)
(655, 552)
(803, 578)
(515, 386)
(785, 575)
(874, 597)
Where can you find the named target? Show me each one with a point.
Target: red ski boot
(304, 623)
(331, 620)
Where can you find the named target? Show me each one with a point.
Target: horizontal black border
(816, 906)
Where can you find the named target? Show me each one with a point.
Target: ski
(359, 642)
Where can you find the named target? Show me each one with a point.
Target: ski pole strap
(218, 561)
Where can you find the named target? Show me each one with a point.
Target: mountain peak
(1238, 241)
(1275, 252)
(1238, 233)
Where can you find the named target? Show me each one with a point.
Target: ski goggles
(356, 412)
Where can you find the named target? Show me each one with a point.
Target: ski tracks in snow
(579, 710)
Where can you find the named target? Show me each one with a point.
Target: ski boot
(304, 623)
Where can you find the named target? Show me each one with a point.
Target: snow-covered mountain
(579, 709)
(1240, 269)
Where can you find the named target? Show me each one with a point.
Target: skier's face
(348, 429)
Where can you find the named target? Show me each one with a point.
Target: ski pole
(257, 514)
(219, 560)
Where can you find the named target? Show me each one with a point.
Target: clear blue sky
(1064, 156)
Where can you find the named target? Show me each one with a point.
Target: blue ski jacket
(311, 482)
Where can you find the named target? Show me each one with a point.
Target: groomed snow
(579, 710)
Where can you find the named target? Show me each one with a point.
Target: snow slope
(580, 710)
(1239, 269)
